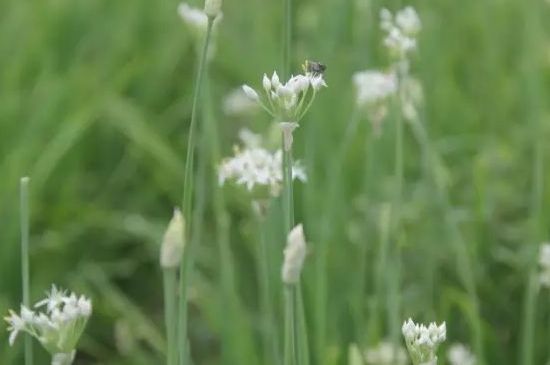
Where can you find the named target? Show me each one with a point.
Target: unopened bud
(212, 8)
(173, 244)
(295, 254)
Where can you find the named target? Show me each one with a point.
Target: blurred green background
(95, 99)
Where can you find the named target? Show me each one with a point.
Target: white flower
(386, 353)
(54, 298)
(401, 31)
(212, 8)
(289, 101)
(173, 244)
(458, 354)
(237, 103)
(373, 86)
(407, 19)
(422, 342)
(16, 324)
(256, 167)
(295, 254)
(59, 328)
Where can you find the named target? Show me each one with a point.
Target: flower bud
(173, 244)
(251, 93)
(212, 8)
(295, 254)
(266, 83)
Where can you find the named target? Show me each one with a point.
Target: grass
(95, 104)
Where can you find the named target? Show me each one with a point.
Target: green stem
(170, 313)
(291, 355)
(269, 333)
(25, 275)
(287, 38)
(188, 198)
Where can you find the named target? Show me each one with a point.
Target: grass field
(95, 105)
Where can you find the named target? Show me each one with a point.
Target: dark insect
(315, 68)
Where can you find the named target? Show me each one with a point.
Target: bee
(315, 68)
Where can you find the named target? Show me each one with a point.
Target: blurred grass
(94, 106)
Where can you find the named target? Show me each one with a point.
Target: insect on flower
(314, 68)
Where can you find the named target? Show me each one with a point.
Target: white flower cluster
(544, 262)
(401, 31)
(386, 353)
(295, 254)
(59, 328)
(373, 89)
(458, 354)
(255, 166)
(422, 342)
(287, 101)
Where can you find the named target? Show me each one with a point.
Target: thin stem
(287, 38)
(170, 314)
(269, 334)
(288, 190)
(291, 357)
(25, 270)
(187, 196)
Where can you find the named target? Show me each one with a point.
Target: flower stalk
(25, 270)
(187, 261)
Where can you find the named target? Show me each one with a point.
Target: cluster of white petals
(287, 101)
(374, 86)
(401, 30)
(59, 328)
(422, 341)
(544, 262)
(256, 167)
(295, 254)
(458, 354)
(386, 353)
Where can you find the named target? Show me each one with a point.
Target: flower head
(295, 254)
(287, 101)
(422, 342)
(401, 32)
(373, 90)
(256, 167)
(59, 328)
(458, 354)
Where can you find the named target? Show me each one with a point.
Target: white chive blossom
(59, 328)
(386, 353)
(295, 254)
(422, 341)
(173, 244)
(401, 31)
(458, 354)
(256, 167)
(287, 101)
